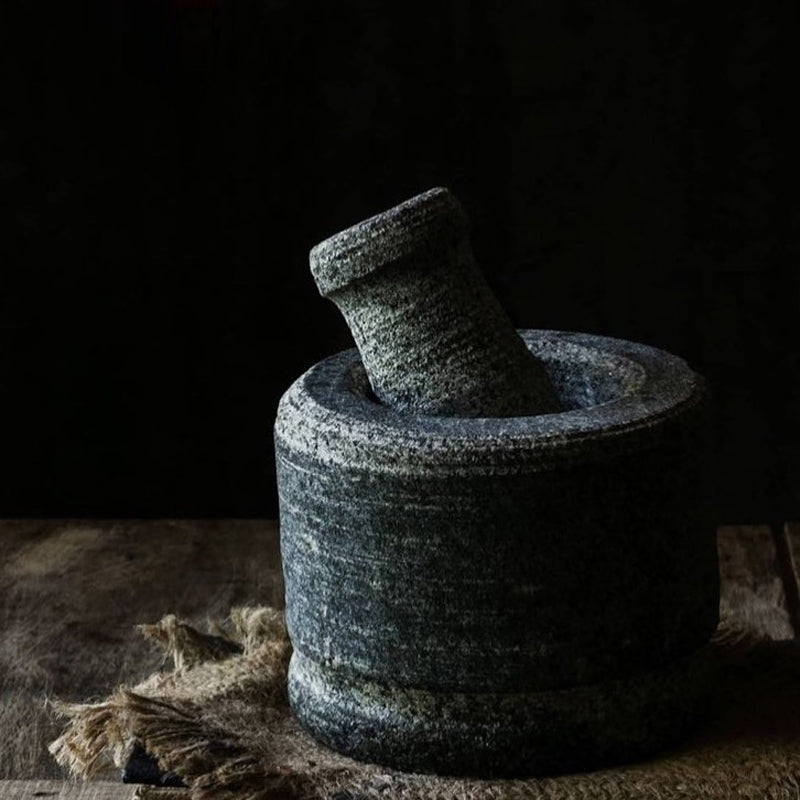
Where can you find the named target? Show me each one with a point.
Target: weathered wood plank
(752, 598)
(72, 592)
(65, 790)
(15, 534)
(791, 532)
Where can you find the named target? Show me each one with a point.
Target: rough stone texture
(432, 336)
(499, 733)
(518, 595)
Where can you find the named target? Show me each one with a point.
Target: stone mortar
(500, 596)
(432, 336)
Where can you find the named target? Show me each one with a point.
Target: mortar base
(499, 734)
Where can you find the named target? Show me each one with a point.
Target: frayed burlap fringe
(220, 720)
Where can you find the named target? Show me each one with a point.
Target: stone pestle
(432, 337)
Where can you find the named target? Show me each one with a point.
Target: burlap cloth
(221, 722)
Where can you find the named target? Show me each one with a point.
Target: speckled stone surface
(505, 596)
(432, 336)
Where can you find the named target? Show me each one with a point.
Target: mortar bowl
(508, 596)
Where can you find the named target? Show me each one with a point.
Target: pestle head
(416, 226)
(432, 336)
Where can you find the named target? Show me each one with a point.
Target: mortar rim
(320, 417)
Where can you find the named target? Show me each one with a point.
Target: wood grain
(791, 534)
(752, 597)
(792, 531)
(72, 592)
(65, 790)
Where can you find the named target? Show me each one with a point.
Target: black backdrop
(165, 167)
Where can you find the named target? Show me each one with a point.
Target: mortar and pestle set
(496, 545)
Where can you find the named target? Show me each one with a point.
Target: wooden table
(71, 592)
(63, 790)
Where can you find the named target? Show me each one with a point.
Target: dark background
(165, 167)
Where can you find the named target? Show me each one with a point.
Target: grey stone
(500, 596)
(432, 336)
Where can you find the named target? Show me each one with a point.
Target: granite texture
(517, 595)
(501, 734)
(432, 336)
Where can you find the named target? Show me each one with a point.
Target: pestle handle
(433, 338)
